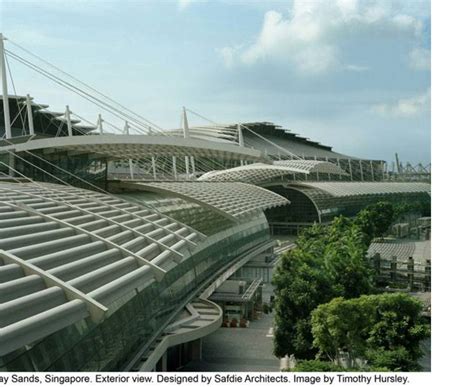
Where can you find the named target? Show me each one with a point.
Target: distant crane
(408, 172)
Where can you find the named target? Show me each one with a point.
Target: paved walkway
(239, 349)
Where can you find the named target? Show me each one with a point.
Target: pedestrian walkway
(239, 349)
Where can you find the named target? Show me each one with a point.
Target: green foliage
(317, 366)
(346, 264)
(340, 326)
(300, 287)
(420, 206)
(385, 329)
(393, 360)
(329, 261)
(375, 220)
(326, 366)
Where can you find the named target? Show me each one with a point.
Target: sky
(352, 74)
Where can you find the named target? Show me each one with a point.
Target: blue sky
(351, 74)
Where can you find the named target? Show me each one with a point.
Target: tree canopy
(385, 330)
(329, 261)
(375, 220)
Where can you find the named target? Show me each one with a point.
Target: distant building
(402, 264)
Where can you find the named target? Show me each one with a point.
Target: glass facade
(192, 214)
(109, 345)
(88, 168)
(287, 220)
(310, 205)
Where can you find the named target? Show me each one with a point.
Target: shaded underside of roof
(231, 199)
(139, 147)
(270, 129)
(283, 138)
(45, 122)
(292, 142)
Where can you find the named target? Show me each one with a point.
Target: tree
(346, 263)
(385, 330)
(329, 261)
(398, 331)
(317, 366)
(340, 329)
(422, 206)
(299, 288)
(326, 366)
(375, 220)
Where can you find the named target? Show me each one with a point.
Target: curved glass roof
(340, 189)
(259, 172)
(312, 166)
(68, 253)
(234, 200)
(197, 216)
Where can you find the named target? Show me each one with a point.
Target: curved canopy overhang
(347, 198)
(209, 133)
(341, 189)
(312, 166)
(139, 147)
(260, 172)
(197, 320)
(231, 199)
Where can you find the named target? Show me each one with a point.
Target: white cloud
(308, 36)
(228, 55)
(183, 4)
(420, 59)
(406, 107)
(357, 68)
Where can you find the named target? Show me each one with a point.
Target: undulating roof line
(231, 199)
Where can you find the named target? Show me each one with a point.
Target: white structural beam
(6, 106)
(100, 124)
(193, 166)
(29, 111)
(350, 170)
(67, 114)
(130, 167)
(153, 166)
(241, 137)
(96, 310)
(185, 124)
(186, 135)
(175, 169)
